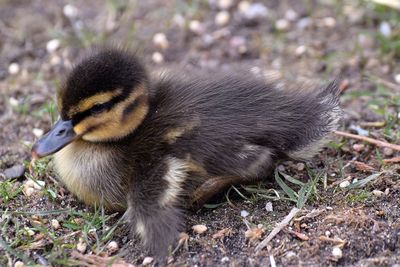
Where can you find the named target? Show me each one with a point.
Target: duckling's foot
(211, 187)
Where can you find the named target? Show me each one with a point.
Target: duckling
(154, 146)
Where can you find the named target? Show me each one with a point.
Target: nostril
(62, 131)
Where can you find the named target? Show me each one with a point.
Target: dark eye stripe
(107, 106)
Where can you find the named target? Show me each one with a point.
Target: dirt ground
(346, 221)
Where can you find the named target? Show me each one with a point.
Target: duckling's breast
(94, 173)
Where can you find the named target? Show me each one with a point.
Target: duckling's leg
(211, 187)
(154, 205)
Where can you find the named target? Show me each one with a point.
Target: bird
(154, 146)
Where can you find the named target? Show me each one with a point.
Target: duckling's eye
(98, 108)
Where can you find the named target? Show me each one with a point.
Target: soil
(300, 42)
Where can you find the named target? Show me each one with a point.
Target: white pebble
(327, 233)
(291, 15)
(37, 132)
(112, 247)
(304, 23)
(329, 22)
(70, 11)
(52, 45)
(30, 232)
(199, 228)
(19, 264)
(13, 102)
(29, 191)
(38, 185)
(55, 224)
(147, 261)
(253, 11)
(13, 68)
(344, 184)
(300, 50)
(377, 193)
(157, 57)
(81, 246)
(225, 259)
(225, 4)
(387, 190)
(385, 29)
(196, 27)
(179, 20)
(337, 253)
(160, 40)
(397, 78)
(269, 207)
(282, 25)
(244, 213)
(222, 18)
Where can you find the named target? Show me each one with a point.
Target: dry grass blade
(277, 229)
(368, 140)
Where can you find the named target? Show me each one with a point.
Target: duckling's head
(103, 99)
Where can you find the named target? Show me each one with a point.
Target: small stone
(329, 22)
(30, 232)
(387, 190)
(225, 4)
(397, 78)
(70, 11)
(385, 29)
(112, 247)
(37, 132)
(388, 151)
(157, 57)
(160, 40)
(225, 259)
(251, 12)
(222, 18)
(147, 261)
(81, 246)
(282, 25)
(377, 193)
(13, 102)
(55, 224)
(179, 20)
(327, 233)
(365, 41)
(199, 228)
(301, 50)
(344, 184)
(291, 15)
(196, 27)
(269, 207)
(300, 166)
(13, 68)
(14, 172)
(19, 264)
(244, 213)
(52, 45)
(358, 147)
(304, 23)
(29, 191)
(337, 253)
(39, 185)
(238, 43)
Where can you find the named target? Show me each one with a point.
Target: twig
(392, 160)
(277, 229)
(369, 140)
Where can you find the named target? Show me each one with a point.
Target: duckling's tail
(316, 134)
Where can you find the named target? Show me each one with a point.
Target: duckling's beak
(58, 137)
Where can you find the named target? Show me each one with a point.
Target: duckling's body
(156, 146)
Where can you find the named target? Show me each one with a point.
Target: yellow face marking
(113, 124)
(87, 103)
